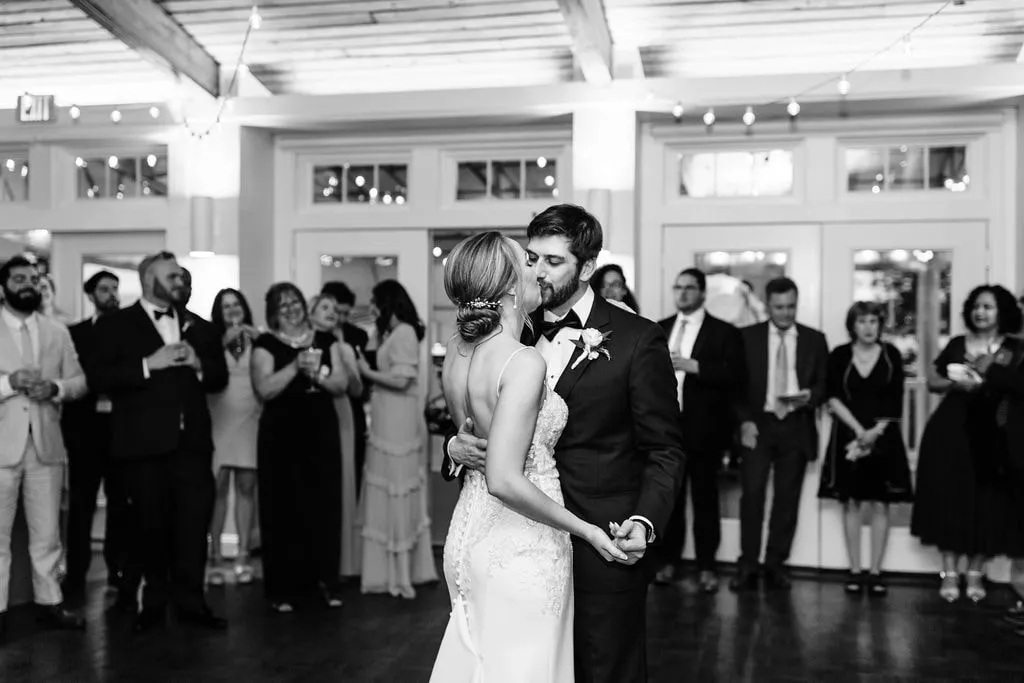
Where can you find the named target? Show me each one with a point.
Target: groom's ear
(587, 271)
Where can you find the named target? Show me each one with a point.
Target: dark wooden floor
(813, 633)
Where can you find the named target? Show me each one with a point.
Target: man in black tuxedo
(707, 354)
(619, 457)
(356, 337)
(786, 364)
(86, 426)
(157, 365)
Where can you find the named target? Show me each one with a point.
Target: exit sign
(36, 108)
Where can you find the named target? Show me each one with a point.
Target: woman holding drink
(298, 372)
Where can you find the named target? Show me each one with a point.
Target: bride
(507, 557)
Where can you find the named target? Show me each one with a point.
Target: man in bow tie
(619, 457)
(157, 365)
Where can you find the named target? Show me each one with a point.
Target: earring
(515, 300)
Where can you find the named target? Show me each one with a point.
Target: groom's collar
(583, 307)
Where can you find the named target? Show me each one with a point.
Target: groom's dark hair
(575, 224)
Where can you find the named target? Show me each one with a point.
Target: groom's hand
(467, 449)
(631, 538)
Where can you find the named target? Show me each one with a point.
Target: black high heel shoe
(876, 586)
(854, 584)
(331, 599)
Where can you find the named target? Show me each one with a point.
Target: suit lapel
(44, 338)
(598, 320)
(702, 335)
(10, 349)
(763, 342)
(145, 325)
(803, 363)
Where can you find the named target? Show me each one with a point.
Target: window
(736, 174)
(14, 178)
(906, 167)
(361, 184)
(122, 177)
(534, 178)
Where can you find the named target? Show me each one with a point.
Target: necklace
(294, 342)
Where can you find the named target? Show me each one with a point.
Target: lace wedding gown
(510, 579)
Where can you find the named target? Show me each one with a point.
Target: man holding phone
(786, 364)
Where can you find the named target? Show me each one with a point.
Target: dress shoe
(777, 579)
(204, 618)
(745, 580)
(708, 582)
(149, 619)
(665, 575)
(55, 617)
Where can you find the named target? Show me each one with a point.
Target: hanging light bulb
(677, 112)
(748, 116)
(843, 86)
(255, 18)
(793, 108)
(75, 112)
(709, 117)
(115, 116)
(154, 112)
(908, 49)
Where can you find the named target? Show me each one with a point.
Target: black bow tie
(157, 314)
(550, 329)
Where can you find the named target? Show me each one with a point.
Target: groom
(619, 456)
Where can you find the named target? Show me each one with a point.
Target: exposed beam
(146, 28)
(591, 39)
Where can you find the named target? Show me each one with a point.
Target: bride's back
(471, 377)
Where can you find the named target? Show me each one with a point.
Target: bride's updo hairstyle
(481, 270)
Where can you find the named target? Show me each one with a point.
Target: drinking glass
(310, 361)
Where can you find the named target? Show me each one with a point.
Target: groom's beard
(553, 296)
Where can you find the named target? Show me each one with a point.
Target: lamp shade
(202, 227)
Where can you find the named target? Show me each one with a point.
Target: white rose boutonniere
(591, 342)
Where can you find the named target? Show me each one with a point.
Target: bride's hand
(604, 545)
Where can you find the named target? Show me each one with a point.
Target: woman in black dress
(866, 459)
(297, 372)
(964, 498)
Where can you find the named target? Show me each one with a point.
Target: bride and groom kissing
(569, 457)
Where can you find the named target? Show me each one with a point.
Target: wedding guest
(610, 282)
(964, 498)
(356, 337)
(298, 372)
(87, 431)
(866, 461)
(323, 314)
(157, 365)
(778, 430)
(235, 414)
(396, 527)
(48, 302)
(38, 369)
(707, 355)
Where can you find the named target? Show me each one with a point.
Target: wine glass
(310, 361)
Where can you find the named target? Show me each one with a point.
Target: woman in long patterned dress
(235, 414)
(324, 316)
(396, 527)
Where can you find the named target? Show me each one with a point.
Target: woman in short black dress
(866, 459)
(298, 453)
(964, 499)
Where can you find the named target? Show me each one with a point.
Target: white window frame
(138, 152)
(307, 163)
(675, 151)
(974, 156)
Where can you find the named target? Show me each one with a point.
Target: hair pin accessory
(481, 303)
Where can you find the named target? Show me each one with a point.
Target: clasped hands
(177, 355)
(681, 364)
(30, 383)
(625, 543)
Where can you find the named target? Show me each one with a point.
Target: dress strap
(497, 387)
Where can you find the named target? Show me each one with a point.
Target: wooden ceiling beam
(591, 38)
(146, 28)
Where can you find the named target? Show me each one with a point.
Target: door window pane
(506, 179)
(327, 184)
(359, 186)
(541, 178)
(947, 168)
(906, 168)
(865, 170)
(393, 183)
(14, 179)
(472, 180)
(736, 174)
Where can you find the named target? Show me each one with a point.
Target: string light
(793, 108)
(908, 48)
(709, 118)
(154, 112)
(115, 116)
(677, 112)
(74, 112)
(748, 117)
(255, 19)
(843, 86)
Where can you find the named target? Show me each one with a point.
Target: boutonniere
(1003, 357)
(188, 324)
(591, 341)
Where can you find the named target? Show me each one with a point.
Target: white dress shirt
(14, 324)
(682, 340)
(167, 327)
(558, 351)
(776, 337)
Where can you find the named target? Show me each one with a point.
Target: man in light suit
(38, 369)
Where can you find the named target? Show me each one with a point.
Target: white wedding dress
(510, 579)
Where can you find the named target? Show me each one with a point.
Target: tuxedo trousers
(39, 486)
(701, 474)
(610, 636)
(170, 499)
(89, 464)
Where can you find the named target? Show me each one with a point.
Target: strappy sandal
(950, 588)
(976, 585)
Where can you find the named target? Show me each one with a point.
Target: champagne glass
(310, 360)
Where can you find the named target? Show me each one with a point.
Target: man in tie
(86, 427)
(38, 370)
(707, 355)
(778, 430)
(157, 365)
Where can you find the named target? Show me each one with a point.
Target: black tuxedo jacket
(78, 419)
(708, 419)
(166, 412)
(811, 364)
(620, 453)
(1006, 377)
